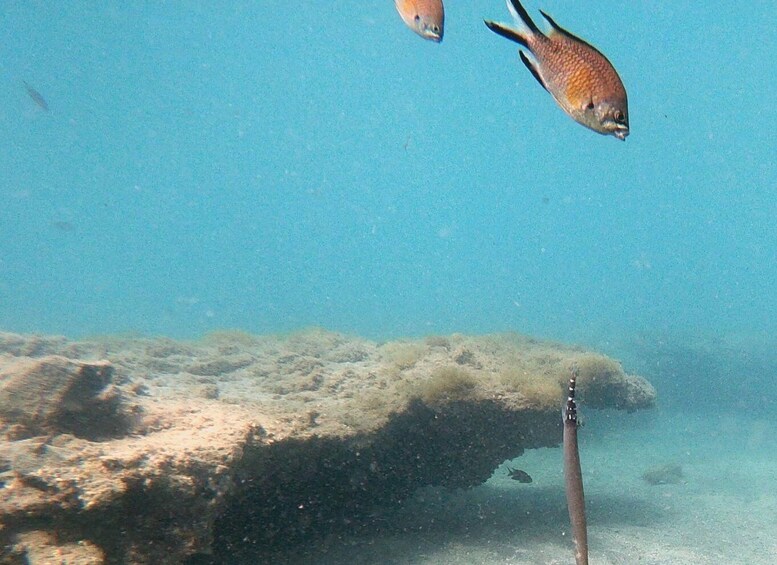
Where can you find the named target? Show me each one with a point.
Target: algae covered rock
(237, 445)
(54, 394)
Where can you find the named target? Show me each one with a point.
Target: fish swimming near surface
(425, 17)
(36, 96)
(519, 475)
(581, 80)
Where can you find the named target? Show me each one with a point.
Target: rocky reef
(139, 450)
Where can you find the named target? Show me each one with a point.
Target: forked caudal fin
(526, 27)
(507, 32)
(520, 15)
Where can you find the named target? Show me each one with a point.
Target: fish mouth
(621, 134)
(428, 32)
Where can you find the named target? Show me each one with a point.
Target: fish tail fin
(508, 32)
(520, 15)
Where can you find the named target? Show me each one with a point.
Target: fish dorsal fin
(532, 68)
(558, 29)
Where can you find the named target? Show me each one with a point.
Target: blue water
(272, 165)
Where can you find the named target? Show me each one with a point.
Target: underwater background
(270, 166)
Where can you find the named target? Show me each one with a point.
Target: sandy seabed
(724, 510)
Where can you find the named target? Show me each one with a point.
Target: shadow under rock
(492, 519)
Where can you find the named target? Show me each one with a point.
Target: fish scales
(578, 76)
(576, 67)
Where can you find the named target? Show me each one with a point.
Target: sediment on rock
(233, 444)
(55, 395)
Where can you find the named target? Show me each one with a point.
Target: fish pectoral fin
(587, 105)
(507, 32)
(578, 93)
(529, 65)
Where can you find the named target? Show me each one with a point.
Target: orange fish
(582, 81)
(425, 17)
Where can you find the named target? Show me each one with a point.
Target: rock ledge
(158, 451)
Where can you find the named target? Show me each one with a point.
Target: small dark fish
(581, 80)
(670, 474)
(518, 475)
(62, 225)
(36, 96)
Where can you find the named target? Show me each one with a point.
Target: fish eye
(417, 18)
(436, 29)
(619, 117)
